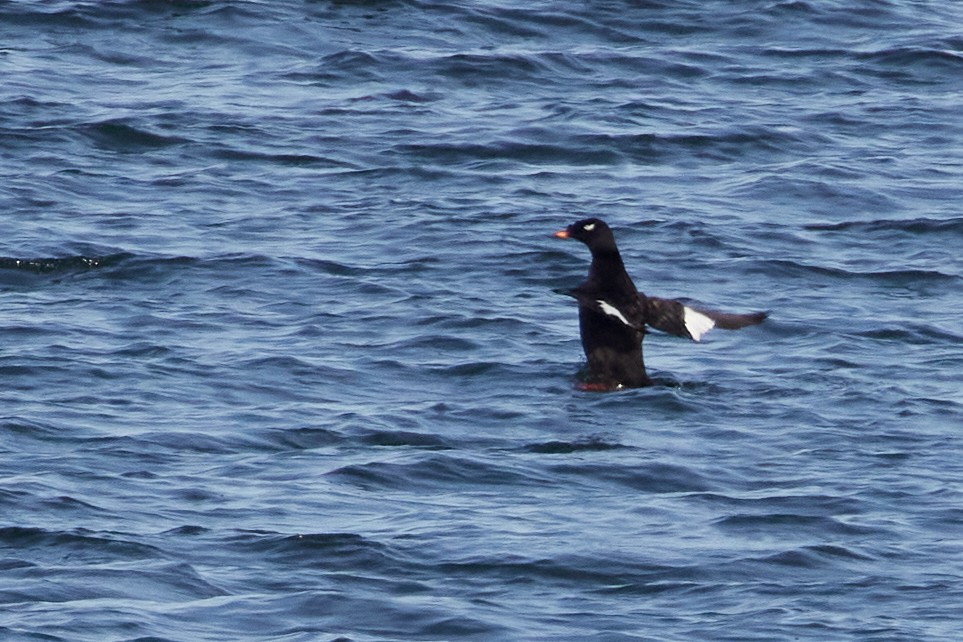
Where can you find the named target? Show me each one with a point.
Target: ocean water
(283, 356)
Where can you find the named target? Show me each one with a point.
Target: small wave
(95, 14)
(354, 65)
(592, 444)
(46, 15)
(814, 557)
(469, 66)
(123, 136)
(790, 267)
(770, 523)
(62, 264)
(916, 226)
(28, 272)
(126, 265)
(604, 573)
(305, 438)
(431, 471)
(650, 478)
(346, 549)
(906, 58)
(293, 160)
(541, 146)
(444, 343)
(64, 566)
(913, 333)
(511, 150)
(395, 438)
(79, 542)
(408, 96)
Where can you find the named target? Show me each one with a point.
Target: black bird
(613, 315)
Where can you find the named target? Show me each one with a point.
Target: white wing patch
(613, 311)
(696, 323)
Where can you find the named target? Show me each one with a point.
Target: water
(283, 358)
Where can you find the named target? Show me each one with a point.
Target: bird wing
(681, 320)
(630, 313)
(667, 315)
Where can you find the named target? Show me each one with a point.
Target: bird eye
(589, 227)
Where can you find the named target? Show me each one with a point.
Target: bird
(614, 315)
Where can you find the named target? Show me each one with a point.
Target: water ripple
(284, 340)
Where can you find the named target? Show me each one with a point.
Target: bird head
(591, 231)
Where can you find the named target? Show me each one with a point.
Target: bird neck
(607, 256)
(607, 264)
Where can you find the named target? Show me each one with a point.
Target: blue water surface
(283, 355)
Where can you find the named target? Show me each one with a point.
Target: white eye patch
(589, 227)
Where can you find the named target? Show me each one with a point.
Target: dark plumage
(613, 315)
